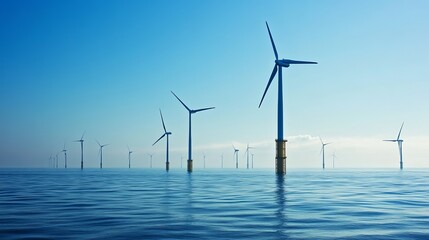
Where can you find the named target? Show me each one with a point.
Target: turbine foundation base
(281, 156)
(190, 165)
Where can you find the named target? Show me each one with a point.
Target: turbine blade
(321, 140)
(98, 143)
(202, 109)
(162, 119)
(289, 61)
(273, 73)
(128, 148)
(181, 101)
(321, 149)
(158, 139)
(272, 42)
(400, 130)
(390, 140)
(83, 135)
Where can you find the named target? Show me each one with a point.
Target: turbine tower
(191, 111)
(101, 153)
(221, 161)
(167, 163)
(333, 160)
(129, 157)
(252, 160)
(236, 156)
(280, 141)
(247, 152)
(399, 141)
(322, 150)
(150, 159)
(65, 155)
(81, 150)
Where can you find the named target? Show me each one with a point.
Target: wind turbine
(236, 156)
(56, 160)
(191, 111)
(280, 141)
(101, 153)
(150, 159)
(247, 152)
(322, 150)
(81, 150)
(221, 161)
(50, 161)
(252, 160)
(129, 157)
(204, 161)
(399, 141)
(167, 163)
(333, 160)
(65, 155)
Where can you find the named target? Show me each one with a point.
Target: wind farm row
(280, 153)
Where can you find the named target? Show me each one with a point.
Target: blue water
(213, 204)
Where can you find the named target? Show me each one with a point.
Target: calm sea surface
(213, 204)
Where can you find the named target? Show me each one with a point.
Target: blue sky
(106, 67)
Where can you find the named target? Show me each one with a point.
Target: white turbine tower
(236, 156)
(322, 150)
(399, 141)
(81, 150)
(129, 157)
(247, 153)
(101, 153)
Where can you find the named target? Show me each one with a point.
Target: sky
(106, 68)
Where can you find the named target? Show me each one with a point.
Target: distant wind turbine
(399, 141)
(280, 141)
(204, 160)
(56, 160)
(236, 156)
(167, 163)
(221, 161)
(129, 157)
(191, 111)
(247, 152)
(322, 150)
(333, 160)
(252, 160)
(81, 150)
(65, 155)
(150, 159)
(101, 153)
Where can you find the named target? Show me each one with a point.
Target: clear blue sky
(106, 67)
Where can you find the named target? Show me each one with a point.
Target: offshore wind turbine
(129, 156)
(167, 163)
(191, 111)
(333, 160)
(236, 156)
(204, 160)
(221, 161)
(247, 152)
(322, 150)
(65, 155)
(101, 153)
(252, 160)
(280, 141)
(56, 160)
(399, 141)
(150, 159)
(81, 150)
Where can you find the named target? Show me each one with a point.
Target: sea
(213, 204)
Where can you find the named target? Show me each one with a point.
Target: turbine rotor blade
(83, 135)
(289, 61)
(159, 139)
(272, 42)
(400, 130)
(162, 119)
(181, 101)
(390, 140)
(202, 109)
(273, 73)
(98, 143)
